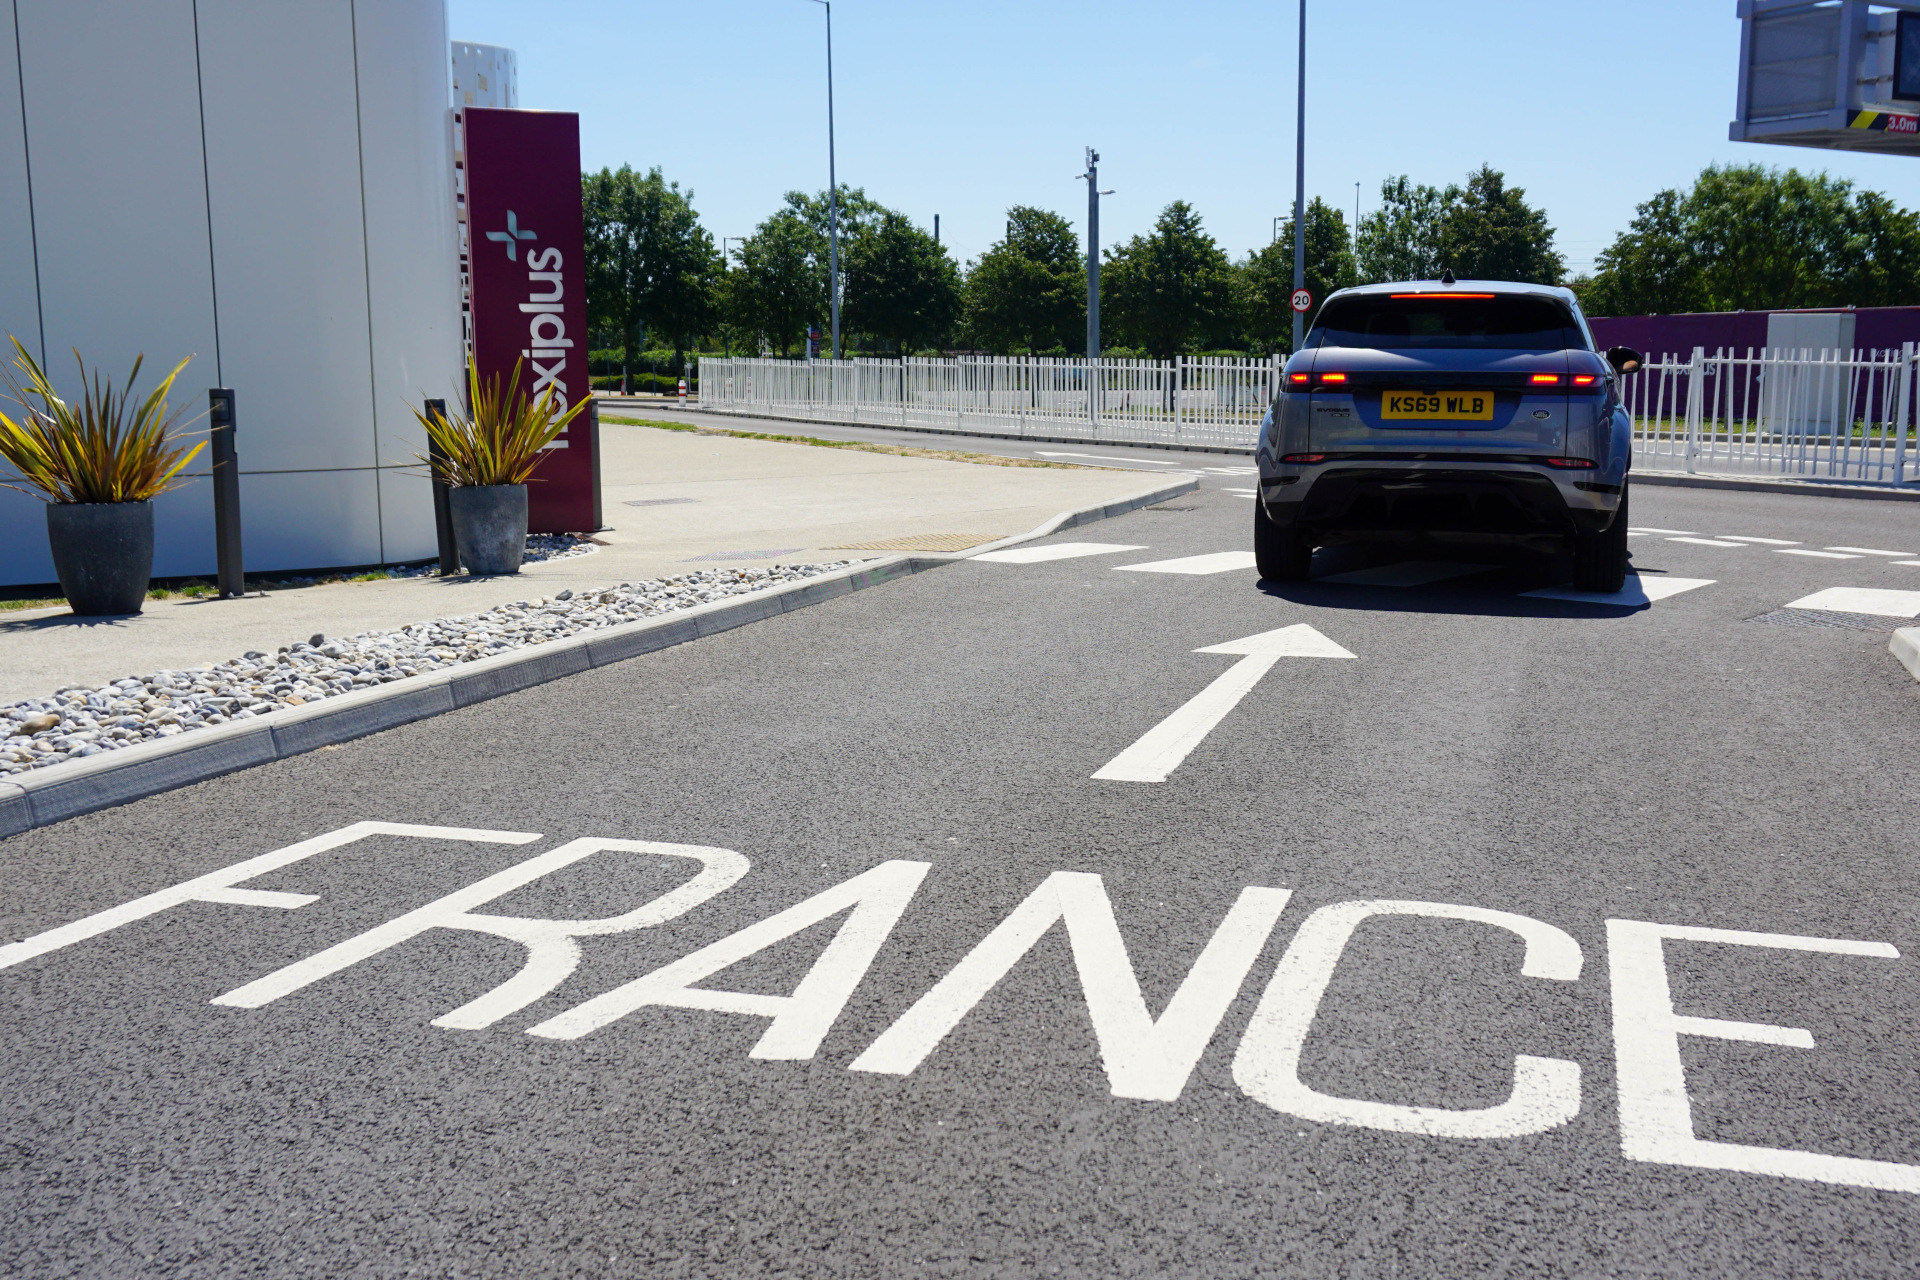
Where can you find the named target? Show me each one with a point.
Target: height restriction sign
(1303, 300)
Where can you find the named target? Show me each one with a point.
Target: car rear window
(1506, 322)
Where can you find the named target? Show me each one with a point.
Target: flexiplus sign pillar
(529, 290)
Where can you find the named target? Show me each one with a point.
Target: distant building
(268, 188)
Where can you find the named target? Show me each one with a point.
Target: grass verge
(898, 450)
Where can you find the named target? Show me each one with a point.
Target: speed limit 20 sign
(1303, 300)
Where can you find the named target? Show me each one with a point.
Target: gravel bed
(81, 720)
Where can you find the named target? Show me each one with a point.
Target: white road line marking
(1908, 562)
(1707, 542)
(1057, 551)
(1217, 562)
(1869, 551)
(1106, 457)
(1647, 528)
(1771, 542)
(1161, 749)
(1877, 600)
(1822, 555)
(1638, 590)
(1408, 573)
(1254, 497)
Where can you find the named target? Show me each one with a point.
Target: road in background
(1539, 937)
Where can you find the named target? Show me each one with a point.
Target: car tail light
(1585, 379)
(1305, 457)
(1297, 379)
(1333, 377)
(1544, 379)
(1572, 464)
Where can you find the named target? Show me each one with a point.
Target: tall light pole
(1092, 179)
(833, 193)
(1300, 183)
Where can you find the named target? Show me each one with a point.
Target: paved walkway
(706, 502)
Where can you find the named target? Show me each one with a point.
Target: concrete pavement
(702, 502)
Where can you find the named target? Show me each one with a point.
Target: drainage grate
(1827, 619)
(1166, 508)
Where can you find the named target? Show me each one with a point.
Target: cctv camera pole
(1300, 182)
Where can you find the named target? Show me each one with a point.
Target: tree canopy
(1747, 237)
(1170, 291)
(1029, 291)
(1485, 230)
(1267, 276)
(902, 288)
(649, 261)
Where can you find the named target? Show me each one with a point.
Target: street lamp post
(833, 194)
(1300, 182)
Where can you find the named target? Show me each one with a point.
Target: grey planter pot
(103, 552)
(490, 526)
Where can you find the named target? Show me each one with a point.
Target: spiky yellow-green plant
(501, 440)
(109, 448)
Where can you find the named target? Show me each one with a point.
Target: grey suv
(1444, 406)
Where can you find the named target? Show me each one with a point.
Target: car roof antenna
(1446, 277)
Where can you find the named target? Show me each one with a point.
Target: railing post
(1179, 375)
(1902, 415)
(232, 578)
(1696, 377)
(442, 506)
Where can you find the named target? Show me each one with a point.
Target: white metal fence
(1841, 415)
(1191, 400)
(1832, 414)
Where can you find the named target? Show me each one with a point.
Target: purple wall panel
(1875, 328)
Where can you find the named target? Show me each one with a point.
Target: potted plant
(486, 458)
(98, 466)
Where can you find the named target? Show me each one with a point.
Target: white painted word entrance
(1145, 1058)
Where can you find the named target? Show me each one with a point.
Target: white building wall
(265, 184)
(23, 537)
(413, 270)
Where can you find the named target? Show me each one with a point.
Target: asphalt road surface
(1537, 937)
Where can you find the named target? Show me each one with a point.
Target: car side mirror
(1624, 359)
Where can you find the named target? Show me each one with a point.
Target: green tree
(1267, 276)
(1171, 291)
(901, 288)
(1489, 232)
(649, 261)
(1747, 237)
(1400, 240)
(1029, 291)
(780, 286)
(1650, 268)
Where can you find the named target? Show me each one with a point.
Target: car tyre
(1600, 559)
(1281, 554)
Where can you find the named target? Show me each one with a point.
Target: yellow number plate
(1441, 406)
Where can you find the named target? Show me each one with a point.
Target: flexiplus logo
(512, 234)
(547, 341)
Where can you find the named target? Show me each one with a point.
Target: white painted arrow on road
(1161, 749)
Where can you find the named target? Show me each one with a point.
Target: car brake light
(1296, 378)
(1333, 377)
(1305, 457)
(1398, 297)
(1584, 379)
(1572, 464)
(1544, 379)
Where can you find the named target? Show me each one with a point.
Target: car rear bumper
(1506, 496)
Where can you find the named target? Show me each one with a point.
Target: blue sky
(965, 109)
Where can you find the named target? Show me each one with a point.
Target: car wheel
(1281, 555)
(1600, 559)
